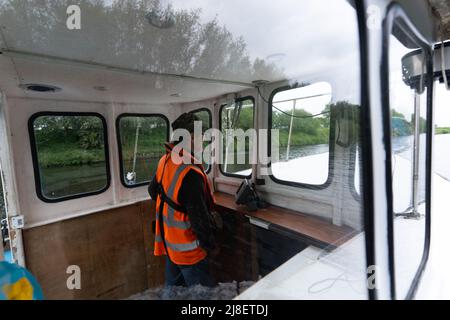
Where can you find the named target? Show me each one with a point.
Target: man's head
(187, 121)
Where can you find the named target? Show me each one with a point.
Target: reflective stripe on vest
(170, 219)
(179, 246)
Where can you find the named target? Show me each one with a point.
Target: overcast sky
(307, 38)
(442, 106)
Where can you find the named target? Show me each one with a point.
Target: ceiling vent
(39, 87)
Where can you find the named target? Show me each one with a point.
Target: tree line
(121, 35)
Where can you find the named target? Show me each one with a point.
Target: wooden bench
(310, 229)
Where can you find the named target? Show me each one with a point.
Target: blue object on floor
(8, 256)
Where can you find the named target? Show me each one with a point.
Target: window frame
(395, 13)
(332, 143)
(351, 182)
(237, 100)
(119, 143)
(210, 123)
(34, 154)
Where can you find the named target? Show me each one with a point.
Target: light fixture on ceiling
(276, 57)
(39, 87)
(259, 82)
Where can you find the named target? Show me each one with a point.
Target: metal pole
(290, 132)
(414, 213)
(415, 187)
(227, 137)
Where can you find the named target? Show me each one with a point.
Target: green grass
(71, 154)
(61, 155)
(443, 130)
(150, 145)
(301, 139)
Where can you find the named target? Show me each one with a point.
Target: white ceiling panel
(77, 83)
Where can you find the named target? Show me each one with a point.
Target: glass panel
(142, 145)
(302, 116)
(192, 38)
(280, 43)
(441, 153)
(205, 117)
(4, 231)
(71, 155)
(408, 138)
(238, 116)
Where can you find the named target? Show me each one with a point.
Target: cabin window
(236, 120)
(409, 123)
(205, 117)
(356, 175)
(70, 155)
(302, 117)
(141, 142)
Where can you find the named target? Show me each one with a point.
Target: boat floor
(223, 291)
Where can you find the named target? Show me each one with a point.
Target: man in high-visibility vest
(185, 228)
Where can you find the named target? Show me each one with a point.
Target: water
(303, 151)
(295, 152)
(442, 155)
(402, 146)
(59, 182)
(65, 180)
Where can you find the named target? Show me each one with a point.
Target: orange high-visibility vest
(180, 239)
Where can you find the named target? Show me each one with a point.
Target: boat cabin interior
(88, 95)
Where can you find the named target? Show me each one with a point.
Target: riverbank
(60, 155)
(444, 130)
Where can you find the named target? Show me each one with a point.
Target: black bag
(247, 195)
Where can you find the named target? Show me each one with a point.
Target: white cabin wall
(219, 182)
(9, 169)
(334, 202)
(316, 202)
(37, 212)
(122, 193)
